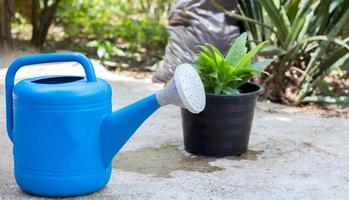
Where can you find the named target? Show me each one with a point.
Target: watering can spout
(185, 90)
(119, 126)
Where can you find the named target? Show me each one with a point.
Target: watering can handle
(38, 59)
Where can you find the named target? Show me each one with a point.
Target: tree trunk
(42, 20)
(6, 12)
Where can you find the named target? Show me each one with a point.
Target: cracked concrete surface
(300, 155)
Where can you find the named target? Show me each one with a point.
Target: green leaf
(230, 91)
(237, 50)
(327, 39)
(248, 63)
(206, 51)
(322, 16)
(216, 51)
(117, 51)
(206, 60)
(244, 71)
(345, 66)
(340, 62)
(297, 24)
(277, 18)
(292, 9)
(262, 64)
(101, 52)
(324, 88)
(93, 43)
(246, 58)
(248, 19)
(218, 88)
(341, 100)
(272, 50)
(217, 55)
(213, 74)
(303, 33)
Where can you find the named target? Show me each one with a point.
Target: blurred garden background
(125, 33)
(308, 39)
(299, 143)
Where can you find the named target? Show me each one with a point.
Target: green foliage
(129, 24)
(20, 26)
(224, 75)
(341, 100)
(145, 33)
(105, 49)
(307, 37)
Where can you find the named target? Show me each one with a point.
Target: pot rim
(248, 94)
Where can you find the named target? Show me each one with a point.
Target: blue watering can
(64, 132)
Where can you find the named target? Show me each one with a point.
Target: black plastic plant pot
(223, 127)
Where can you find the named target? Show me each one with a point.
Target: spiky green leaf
(262, 64)
(237, 50)
(247, 58)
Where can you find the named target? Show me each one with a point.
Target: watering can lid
(61, 90)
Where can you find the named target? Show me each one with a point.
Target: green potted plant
(223, 127)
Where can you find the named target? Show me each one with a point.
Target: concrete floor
(293, 155)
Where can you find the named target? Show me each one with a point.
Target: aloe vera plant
(225, 74)
(309, 38)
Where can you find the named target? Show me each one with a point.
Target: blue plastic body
(63, 130)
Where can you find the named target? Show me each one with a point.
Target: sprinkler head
(185, 90)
